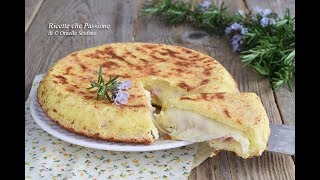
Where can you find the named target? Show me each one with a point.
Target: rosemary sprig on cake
(112, 86)
(265, 41)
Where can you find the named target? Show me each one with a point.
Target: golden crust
(93, 119)
(243, 110)
(64, 96)
(97, 135)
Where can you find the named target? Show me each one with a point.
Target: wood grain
(31, 9)
(284, 97)
(286, 103)
(226, 165)
(276, 5)
(43, 50)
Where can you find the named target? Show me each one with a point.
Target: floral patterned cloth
(47, 157)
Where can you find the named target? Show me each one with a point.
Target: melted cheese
(161, 91)
(154, 131)
(190, 126)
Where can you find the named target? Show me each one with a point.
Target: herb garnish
(266, 42)
(114, 87)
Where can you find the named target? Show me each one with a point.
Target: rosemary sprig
(173, 12)
(103, 88)
(268, 49)
(178, 12)
(271, 50)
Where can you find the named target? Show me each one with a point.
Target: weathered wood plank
(230, 4)
(276, 5)
(214, 168)
(225, 165)
(43, 50)
(284, 97)
(30, 10)
(286, 104)
(282, 167)
(229, 166)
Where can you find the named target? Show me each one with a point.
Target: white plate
(55, 130)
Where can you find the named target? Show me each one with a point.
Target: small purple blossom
(244, 31)
(235, 32)
(236, 27)
(121, 97)
(204, 5)
(236, 41)
(124, 85)
(263, 12)
(227, 30)
(236, 38)
(267, 21)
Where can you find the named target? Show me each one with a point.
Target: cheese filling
(190, 126)
(154, 132)
(161, 91)
(187, 125)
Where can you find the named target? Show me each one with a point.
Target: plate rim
(123, 147)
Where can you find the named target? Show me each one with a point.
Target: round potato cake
(164, 70)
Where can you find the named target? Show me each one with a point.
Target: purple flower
(236, 27)
(228, 30)
(124, 85)
(235, 47)
(267, 21)
(236, 41)
(235, 32)
(204, 5)
(263, 12)
(244, 31)
(121, 97)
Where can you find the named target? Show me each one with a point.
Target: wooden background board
(31, 9)
(126, 26)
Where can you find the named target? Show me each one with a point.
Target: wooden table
(126, 26)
